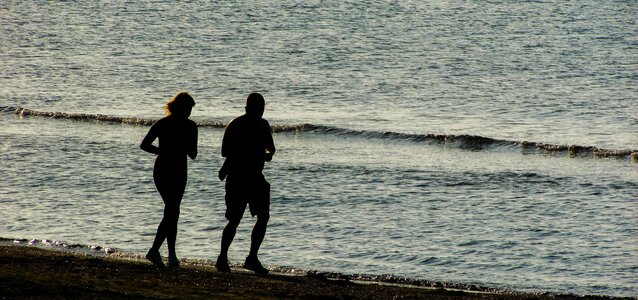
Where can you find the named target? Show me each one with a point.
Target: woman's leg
(172, 195)
(172, 190)
(160, 236)
(171, 214)
(167, 229)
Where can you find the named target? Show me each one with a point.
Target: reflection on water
(496, 218)
(466, 142)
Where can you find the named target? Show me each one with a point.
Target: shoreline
(31, 271)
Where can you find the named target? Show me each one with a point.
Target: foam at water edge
(385, 279)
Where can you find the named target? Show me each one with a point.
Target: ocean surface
(492, 143)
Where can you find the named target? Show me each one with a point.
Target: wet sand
(32, 272)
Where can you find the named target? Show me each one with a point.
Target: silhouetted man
(247, 144)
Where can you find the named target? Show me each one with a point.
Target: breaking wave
(462, 141)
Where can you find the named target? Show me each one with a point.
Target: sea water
(476, 142)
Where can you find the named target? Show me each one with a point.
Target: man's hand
(268, 156)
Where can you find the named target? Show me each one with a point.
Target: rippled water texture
(412, 137)
(556, 73)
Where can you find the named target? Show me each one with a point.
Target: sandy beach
(32, 272)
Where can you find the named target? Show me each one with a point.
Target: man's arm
(227, 150)
(227, 147)
(192, 150)
(270, 144)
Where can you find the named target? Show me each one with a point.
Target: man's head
(255, 104)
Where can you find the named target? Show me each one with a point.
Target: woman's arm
(147, 142)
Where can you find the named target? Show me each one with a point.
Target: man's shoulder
(264, 122)
(246, 119)
(236, 120)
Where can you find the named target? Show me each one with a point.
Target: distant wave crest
(468, 142)
(474, 142)
(24, 112)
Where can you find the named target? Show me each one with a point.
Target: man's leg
(228, 236)
(259, 231)
(235, 207)
(260, 207)
(258, 234)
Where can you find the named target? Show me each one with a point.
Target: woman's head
(180, 105)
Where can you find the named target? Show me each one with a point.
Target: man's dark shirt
(244, 145)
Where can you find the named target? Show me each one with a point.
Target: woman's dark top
(177, 140)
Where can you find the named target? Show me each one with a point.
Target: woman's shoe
(173, 262)
(155, 257)
(253, 264)
(222, 265)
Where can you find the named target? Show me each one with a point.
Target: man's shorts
(241, 191)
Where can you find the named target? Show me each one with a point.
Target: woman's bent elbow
(149, 148)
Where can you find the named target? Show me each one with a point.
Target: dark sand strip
(31, 272)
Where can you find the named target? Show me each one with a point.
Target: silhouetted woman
(177, 139)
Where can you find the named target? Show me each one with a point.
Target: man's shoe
(254, 265)
(155, 257)
(173, 262)
(222, 264)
